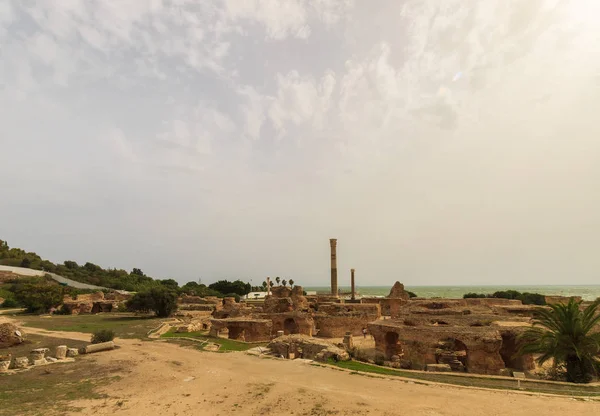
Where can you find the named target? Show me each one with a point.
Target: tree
(264, 284)
(137, 272)
(71, 265)
(26, 263)
(278, 279)
(284, 282)
(291, 282)
(39, 298)
(169, 283)
(225, 287)
(160, 299)
(565, 334)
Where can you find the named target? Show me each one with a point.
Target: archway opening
(509, 350)
(237, 333)
(290, 326)
(453, 352)
(392, 345)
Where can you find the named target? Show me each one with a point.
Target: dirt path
(165, 379)
(169, 380)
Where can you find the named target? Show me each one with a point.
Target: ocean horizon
(587, 292)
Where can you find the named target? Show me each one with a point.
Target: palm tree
(291, 282)
(284, 282)
(565, 334)
(278, 279)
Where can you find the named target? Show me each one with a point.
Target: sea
(587, 292)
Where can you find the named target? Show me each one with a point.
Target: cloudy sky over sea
(442, 142)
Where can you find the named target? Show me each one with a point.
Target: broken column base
(72, 352)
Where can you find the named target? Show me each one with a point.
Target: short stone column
(21, 362)
(38, 356)
(61, 352)
(348, 341)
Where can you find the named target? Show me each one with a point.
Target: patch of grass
(124, 325)
(227, 345)
(48, 390)
(462, 380)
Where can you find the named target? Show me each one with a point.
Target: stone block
(444, 368)
(38, 354)
(39, 362)
(21, 362)
(61, 352)
(51, 359)
(72, 352)
(4, 366)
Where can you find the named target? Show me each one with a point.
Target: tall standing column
(352, 284)
(334, 282)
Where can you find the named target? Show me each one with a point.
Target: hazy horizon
(453, 144)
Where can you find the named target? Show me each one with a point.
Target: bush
(10, 303)
(474, 296)
(103, 335)
(161, 300)
(379, 359)
(411, 294)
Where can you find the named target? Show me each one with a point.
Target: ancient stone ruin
(94, 302)
(478, 336)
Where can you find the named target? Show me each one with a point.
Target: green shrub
(379, 359)
(411, 294)
(10, 303)
(160, 299)
(474, 296)
(103, 335)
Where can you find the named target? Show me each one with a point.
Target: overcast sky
(442, 142)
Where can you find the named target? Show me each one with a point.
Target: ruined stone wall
(420, 345)
(244, 329)
(334, 320)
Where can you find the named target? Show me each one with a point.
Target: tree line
(525, 297)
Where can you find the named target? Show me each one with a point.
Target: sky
(442, 142)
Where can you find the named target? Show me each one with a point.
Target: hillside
(88, 273)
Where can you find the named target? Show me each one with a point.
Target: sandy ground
(159, 378)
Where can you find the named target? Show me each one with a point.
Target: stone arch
(392, 344)
(453, 352)
(290, 326)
